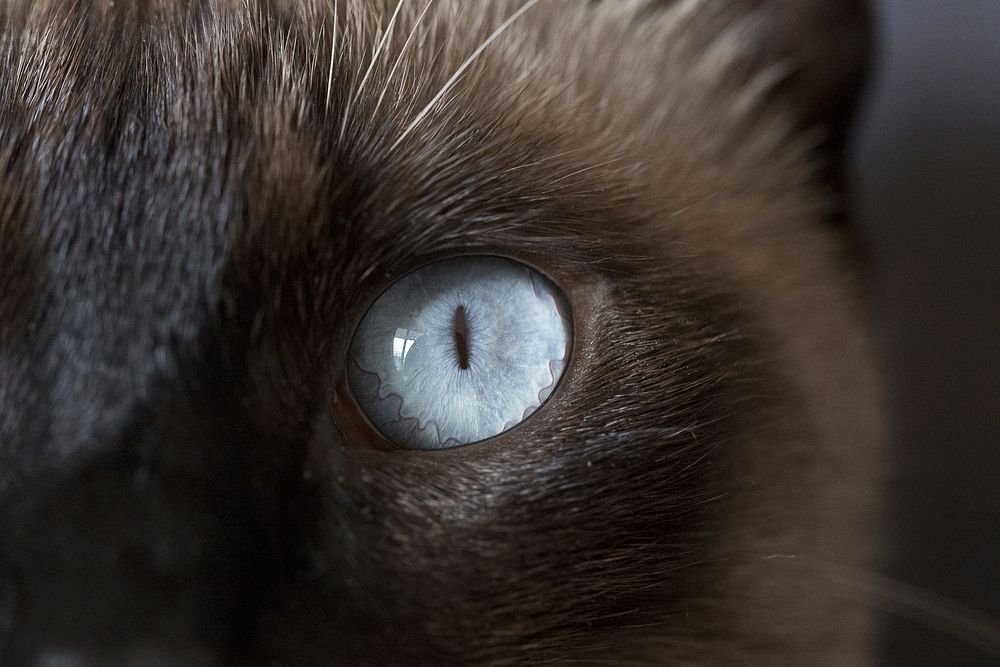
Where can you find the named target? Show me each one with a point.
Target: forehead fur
(365, 76)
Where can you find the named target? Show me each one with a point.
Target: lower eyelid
(349, 420)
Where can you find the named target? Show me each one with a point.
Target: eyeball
(459, 351)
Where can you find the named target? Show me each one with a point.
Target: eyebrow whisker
(450, 83)
(333, 55)
(371, 66)
(399, 57)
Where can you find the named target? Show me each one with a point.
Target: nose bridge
(153, 533)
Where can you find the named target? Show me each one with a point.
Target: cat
(201, 199)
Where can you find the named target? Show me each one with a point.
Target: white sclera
(405, 367)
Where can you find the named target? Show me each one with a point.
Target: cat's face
(200, 201)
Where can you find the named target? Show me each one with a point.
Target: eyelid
(591, 296)
(591, 299)
(351, 422)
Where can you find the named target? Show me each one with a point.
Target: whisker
(333, 55)
(371, 66)
(924, 607)
(547, 158)
(450, 83)
(592, 167)
(399, 58)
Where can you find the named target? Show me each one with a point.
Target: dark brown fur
(199, 201)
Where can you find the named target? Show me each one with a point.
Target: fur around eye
(210, 401)
(459, 351)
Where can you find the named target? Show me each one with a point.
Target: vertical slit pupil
(461, 331)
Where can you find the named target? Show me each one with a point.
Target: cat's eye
(459, 351)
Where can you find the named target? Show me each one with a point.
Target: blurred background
(927, 185)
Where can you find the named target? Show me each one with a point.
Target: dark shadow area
(928, 185)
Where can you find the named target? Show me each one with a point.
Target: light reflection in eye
(402, 343)
(459, 351)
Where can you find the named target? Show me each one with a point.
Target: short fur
(199, 200)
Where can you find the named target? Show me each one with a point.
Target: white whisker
(461, 70)
(922, 606)
(399, 58)
(592, 167)
(371, 66)
(333, 54)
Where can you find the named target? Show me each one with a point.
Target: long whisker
(333, 55)
(592, 167)
(371, 66)
(449, 84)
(399, 58)
(924, 607)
